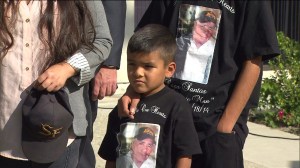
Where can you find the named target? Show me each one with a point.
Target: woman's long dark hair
(76, 28)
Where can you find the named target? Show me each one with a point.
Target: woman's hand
(55, 77)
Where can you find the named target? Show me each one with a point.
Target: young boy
(162, 133)
(222, 93)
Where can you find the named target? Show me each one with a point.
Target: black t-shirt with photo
(177, 135)
(243, 30)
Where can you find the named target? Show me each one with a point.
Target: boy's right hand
(127, 103)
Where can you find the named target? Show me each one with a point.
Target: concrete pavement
(276, 150)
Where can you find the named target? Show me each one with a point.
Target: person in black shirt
(245, 37)
(150, 55)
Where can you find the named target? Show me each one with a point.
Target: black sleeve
(186, 142)
(259, 35)
(157, 13)
(153, 15)
(116, 16)
(107, 150)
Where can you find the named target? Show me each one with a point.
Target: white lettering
(200, 109)
(200, 99)
(153, 109)
(198, 90)
(227, 6)
(187, 86)
(144, 108)
(174, 86)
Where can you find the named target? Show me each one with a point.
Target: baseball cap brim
(44, 151)
(144, 136)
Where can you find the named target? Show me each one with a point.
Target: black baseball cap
(144, 133)
(207, 16)
(46, 118)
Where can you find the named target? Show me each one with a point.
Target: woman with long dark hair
(49, 45)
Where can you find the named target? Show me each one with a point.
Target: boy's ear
(170, 69)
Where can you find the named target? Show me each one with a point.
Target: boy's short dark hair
(153, 37)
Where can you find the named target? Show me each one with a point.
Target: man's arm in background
(105, 83)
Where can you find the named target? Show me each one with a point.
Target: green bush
(279, 103)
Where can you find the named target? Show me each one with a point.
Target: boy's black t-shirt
(176, 136)
(244, 30)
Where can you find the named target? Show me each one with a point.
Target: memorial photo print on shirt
(137, 145)
(196, 38)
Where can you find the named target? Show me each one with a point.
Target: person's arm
(110, 164)
(262, 42)
(52, 79)
(184, 162)
(241, 93)
(105, 83)
(127, 103)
